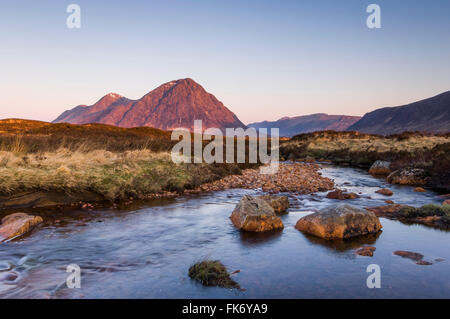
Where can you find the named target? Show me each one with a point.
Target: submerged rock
(339, 194)
(385, 192)
(408, 176)
(365, 251)
(408, 254)
(419, 190)
(424, 263)
(380, 168)
(212, 273)
(417, 257)
(431, 214)
(343, 221)
(280, 204)
(17, 224)
(388, 211)
(256, 215)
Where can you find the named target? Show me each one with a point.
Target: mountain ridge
(171, 105)
(290, 126)
(428, 115)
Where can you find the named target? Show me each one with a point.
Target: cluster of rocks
(408, 176)
(256, 214)
(298, 178)
(405, 176)
(417, 257)
(403, 214)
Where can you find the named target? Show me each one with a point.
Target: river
(145, 252)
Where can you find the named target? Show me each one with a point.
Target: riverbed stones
(385, 192)
(408, 176)
(341, 195)
(408, 254)
(419, 189)
(254, 214)
(297, 178)
(280, 204)
(380, 168)
(17, 224)
(429, 215)
(446, 202)
(342, 221)
(417, 257)
(365, 251)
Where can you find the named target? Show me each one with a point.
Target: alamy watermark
(74, 19)
(374, 279)
(74, 279)
(374, 19)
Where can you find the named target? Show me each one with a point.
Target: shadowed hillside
(290, 126)
(429, 115)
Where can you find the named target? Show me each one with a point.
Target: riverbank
(67, 177)
(430, 153)
(47, 165)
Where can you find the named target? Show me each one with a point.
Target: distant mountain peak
(172, 105)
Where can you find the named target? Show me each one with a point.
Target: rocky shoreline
(298, 178)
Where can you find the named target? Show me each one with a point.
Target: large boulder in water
(341, 221)
(17, 224)
(380, 168)
(256, 215)
(408, 176)
(280, 204)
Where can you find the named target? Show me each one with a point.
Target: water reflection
(250, 239)
(344, 245)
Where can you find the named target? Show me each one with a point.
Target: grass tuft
(212, 273)
(425, 211)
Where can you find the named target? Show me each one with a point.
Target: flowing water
(145, 252)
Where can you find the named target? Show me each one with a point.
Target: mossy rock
(212, 273)
(425, 211)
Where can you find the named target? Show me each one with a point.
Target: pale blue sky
(262, 59)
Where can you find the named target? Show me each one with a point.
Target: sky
(263, 59)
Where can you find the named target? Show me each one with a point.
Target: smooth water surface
(146, 252)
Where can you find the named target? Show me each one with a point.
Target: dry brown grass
(110, 161)
(113, 175)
